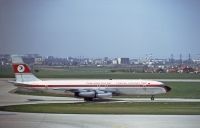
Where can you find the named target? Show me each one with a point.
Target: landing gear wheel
(152, 97)
(88, 99)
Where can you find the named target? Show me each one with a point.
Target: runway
(32, 120)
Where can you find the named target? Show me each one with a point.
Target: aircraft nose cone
(167, 88)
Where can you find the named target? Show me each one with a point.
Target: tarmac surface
(37, 120)
(33, 120)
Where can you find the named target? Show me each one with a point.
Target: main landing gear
(152, 97)
(88, 99)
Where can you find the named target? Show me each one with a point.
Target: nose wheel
(152, 97)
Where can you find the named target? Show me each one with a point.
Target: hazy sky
(98, 28)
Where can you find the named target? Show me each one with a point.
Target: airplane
(89, 89)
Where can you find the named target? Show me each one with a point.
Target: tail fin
(22, 70)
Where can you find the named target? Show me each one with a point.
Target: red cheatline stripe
(81, 86)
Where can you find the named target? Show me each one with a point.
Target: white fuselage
(142, 87)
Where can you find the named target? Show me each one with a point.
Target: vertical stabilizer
(22, 71)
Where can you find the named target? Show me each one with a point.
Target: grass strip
(154, 108)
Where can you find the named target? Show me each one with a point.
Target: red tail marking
(21, 68)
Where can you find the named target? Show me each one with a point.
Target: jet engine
(89, 95)
(103, 94)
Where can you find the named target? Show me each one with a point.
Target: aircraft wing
(89, 93)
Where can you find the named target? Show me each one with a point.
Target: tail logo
(20, 68)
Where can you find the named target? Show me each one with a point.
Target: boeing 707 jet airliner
(87, 89)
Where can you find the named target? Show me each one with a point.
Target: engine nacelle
(94, 94)
(104, 95)
(86, 94)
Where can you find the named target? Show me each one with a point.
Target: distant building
(123, 61)
(159, 61)
(114, 61)
(38, 60)
(5, 59)
(196, 61)
(98, 62)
